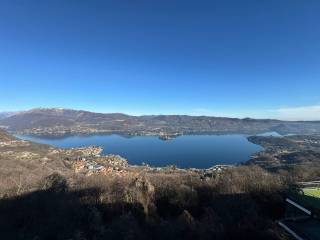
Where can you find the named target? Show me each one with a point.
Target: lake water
(198, 151)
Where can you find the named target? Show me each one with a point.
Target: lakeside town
(25, 165)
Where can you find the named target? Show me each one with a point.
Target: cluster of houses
(112, 165)
(220, 168)
(310, 141)
(14, 143)
(91, 151)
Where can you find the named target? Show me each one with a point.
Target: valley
(98, 195)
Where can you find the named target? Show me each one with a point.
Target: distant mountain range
(6, 114)
(59, 122)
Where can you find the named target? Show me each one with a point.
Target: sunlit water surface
(197, 151)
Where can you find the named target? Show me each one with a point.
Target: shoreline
(243, 162)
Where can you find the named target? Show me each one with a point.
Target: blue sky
(224, 58)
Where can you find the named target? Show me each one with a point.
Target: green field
(309, 197)
(312, 192)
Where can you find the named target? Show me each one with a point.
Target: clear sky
(223, 58)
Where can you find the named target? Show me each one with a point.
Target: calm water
(200, 151)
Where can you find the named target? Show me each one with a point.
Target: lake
(197, 151)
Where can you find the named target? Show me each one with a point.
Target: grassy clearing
(312, 192)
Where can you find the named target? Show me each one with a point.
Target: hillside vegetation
(43, 195)
(241, 204)
(65, 121)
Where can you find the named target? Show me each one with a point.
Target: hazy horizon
(139, 115)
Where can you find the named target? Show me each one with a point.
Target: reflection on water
(199, 151)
